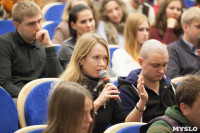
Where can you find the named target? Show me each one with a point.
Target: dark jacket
(182, 60)
(112, 112)
(156, 104)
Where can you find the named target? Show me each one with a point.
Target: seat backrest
(6, 26)
(37, 131)
(177, 80)
(117, 127)
(23, 95)
(50, 27)
(32, 129)
(112, 48)
(53, 11)
(8, 113)
(36, 104)
(115, 82)
(130, 129)
(189, 3)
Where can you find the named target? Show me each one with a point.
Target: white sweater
(123, 63)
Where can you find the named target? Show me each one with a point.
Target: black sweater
(112, 113)
(22, 62)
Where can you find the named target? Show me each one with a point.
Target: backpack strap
(168, 119)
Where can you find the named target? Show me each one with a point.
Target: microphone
(104, 76)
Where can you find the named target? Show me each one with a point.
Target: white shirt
(123, 63)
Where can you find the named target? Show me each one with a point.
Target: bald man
(153, 59)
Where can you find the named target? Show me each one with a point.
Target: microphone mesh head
(103, 74)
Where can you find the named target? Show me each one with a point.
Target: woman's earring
(81, 64)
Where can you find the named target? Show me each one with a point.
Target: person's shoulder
(119, 51)
(6, 36)
(159, 126)
(174, 44)
(63, 23)
(131, 78)
(68, 42)
(7, 39)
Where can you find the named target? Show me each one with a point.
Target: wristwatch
(140, 110)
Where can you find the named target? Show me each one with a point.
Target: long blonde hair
(74, 71)
(130, 33)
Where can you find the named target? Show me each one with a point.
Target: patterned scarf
(112, 30)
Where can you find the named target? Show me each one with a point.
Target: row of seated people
(125, 60)
(183, 54)
(157, 50)
(137, 31)
(164, 33)
(66, 50)
(113, 19)
(91, 54)
(113, 15)
(69, 95)
(68, 100)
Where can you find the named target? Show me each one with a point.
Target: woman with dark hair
(113, 14)
(167, 26)
(62, 31)
(80, 21)
(70, 109)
